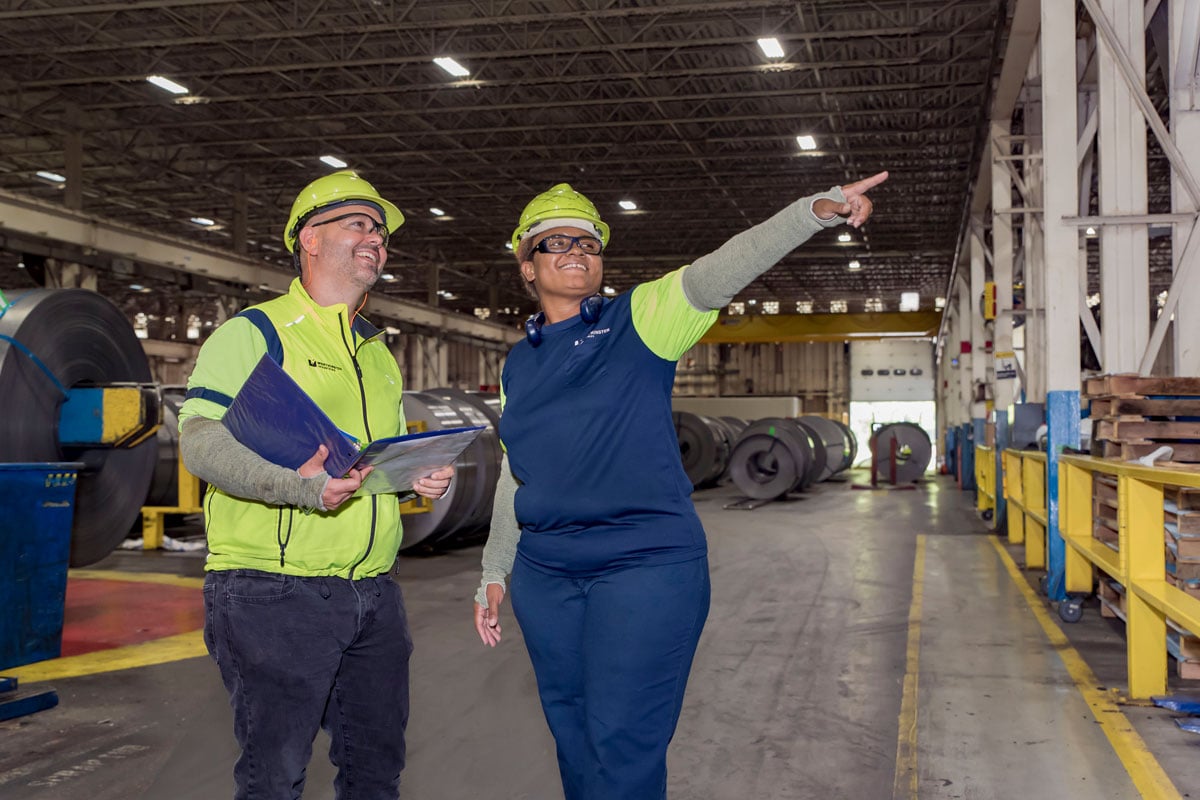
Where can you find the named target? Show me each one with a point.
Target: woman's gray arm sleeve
(211, 453)
(712, 281)
(501, 549)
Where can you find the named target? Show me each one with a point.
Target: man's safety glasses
(357, 222)
(561, 243)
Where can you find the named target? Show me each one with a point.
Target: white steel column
(1002, 260)
(1061, 187)
(964, 359)
(1121, 142)
(1185, 130)
(1032, 244)
(979, 355)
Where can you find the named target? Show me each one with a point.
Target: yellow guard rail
(1025, 491)
(1138, 563)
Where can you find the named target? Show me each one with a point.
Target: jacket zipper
(362, 393)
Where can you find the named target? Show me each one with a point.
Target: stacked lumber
(1181, 538)
(1132, 416)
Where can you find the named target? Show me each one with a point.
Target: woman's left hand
(436, 485)
(857, 206)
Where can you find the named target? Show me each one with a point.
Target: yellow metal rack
(1139, 562)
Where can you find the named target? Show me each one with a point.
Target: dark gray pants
(296, 654)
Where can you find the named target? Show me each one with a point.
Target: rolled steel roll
(772, 457)
(851, 446)
(82, 339)
(704, 447)
(913, 451)
(830, 439)
(467, 506)
(164, 485)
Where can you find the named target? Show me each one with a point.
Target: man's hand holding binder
(273, 416)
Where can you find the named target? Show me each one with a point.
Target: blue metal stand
(13, 707)
(999, 516)
(1062, 430)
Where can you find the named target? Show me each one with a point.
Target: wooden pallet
(1128, 384)
(1184, 452)
(1136, 407)
(1142, 430)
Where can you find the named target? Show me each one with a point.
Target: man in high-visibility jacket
(303, 618)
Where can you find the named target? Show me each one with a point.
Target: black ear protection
(589, 309)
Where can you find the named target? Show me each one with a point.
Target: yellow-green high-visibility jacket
(350, 373)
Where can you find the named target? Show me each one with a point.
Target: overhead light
(752, 302)
(387, 276)
(334, 162)
(203, 222)
(53, 177)
(854, 266)
(843, 237)
(453, 67)
(628, 205)
(771, 47)
(437, 212)
(1090, 231)
(508, 245)
(910, 301)
(609, 290)
(168, 85)
(939, 303)
(137, 287)
(806, 142)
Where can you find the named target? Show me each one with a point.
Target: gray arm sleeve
(501, 549)
(712, 281)
(211, 453)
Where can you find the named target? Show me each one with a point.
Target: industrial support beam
(33, 218)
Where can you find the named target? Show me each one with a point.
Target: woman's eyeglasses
(561, 243)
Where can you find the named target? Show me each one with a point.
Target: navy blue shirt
(588, 429)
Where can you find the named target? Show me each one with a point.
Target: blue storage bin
(37, 502)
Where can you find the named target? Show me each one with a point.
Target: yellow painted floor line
(904, 787)
(159, 651)
(1143, 768)
(136, 577)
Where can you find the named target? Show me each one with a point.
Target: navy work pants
(612, 655)
(298, 654)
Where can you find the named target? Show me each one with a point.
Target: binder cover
(275, 418)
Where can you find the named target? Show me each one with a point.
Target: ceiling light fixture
(453, 67)
(167, 85)
(854, 266)
(771, 47)
(334, 162)
(53, 177)
(437, 212)
(628, 205)
(1090, 231)
(609, 290)
(806, 142)
(843, 237)
(203, 222)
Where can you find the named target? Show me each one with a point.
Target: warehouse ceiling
(670, 104)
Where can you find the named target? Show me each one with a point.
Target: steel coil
(913, 451)
(467, 506)
(829, 441)
(773, 456)
(851, 451)
(164, 485)
(705, 444)
(81, 339)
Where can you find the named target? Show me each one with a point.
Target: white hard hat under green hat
(331, 191)
(558, 206)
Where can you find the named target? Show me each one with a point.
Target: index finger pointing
(866, 184)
